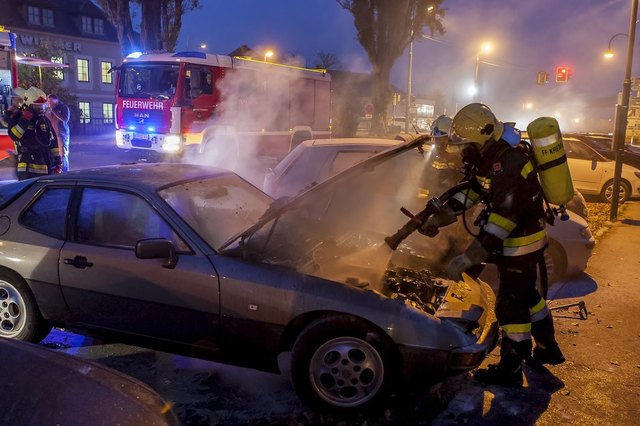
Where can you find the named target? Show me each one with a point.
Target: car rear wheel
(607, 192)
(20, 318)
(341, 364)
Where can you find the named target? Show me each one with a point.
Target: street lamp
(268, 54)
(486, 47)
(620, 119)
(609, 53)
(203, 46)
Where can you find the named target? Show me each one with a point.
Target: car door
(586, 170)
(106, 285)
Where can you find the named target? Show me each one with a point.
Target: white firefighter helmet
(17, 96)
(441, 126)
(35, 98)
(476, 123)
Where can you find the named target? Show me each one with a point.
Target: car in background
(601, 142)
(198, 261)
(313, 161)
(592, 173)
(43, 386)
(570, 242)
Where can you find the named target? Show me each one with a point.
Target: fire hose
(416, 221)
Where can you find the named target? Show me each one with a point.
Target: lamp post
(609, 53)
(486, 47)
(407, 117)
(620, 121)
(268, 54)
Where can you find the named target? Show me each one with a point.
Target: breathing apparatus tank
(551, 160)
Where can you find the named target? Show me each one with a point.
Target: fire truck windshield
(148, 80)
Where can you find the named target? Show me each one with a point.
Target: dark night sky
(529, 36)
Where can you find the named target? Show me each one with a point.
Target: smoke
(336, 230)
(528, 37)
(258, 109)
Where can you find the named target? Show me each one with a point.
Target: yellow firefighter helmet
(476, 123)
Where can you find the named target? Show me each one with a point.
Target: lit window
(82, 66)
(98, 26)
(33, 15)
(57, 72)
(86, 24)
(47, 17)
(107, 113)
(106, 75)
(85, 112)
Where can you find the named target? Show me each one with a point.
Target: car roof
(353, 141)
(149, 176)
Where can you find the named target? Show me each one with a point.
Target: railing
(94, 126)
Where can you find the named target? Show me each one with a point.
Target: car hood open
(336, 229)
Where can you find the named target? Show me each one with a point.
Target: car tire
(336, 348)
(20, 317)
(555, 259)
(607, 192)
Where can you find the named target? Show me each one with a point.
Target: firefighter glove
(474, 255)
(445, 216)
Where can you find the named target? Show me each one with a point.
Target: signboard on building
(633, 116)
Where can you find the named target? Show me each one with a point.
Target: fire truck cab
(204, 103)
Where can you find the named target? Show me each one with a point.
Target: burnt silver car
(198, 261)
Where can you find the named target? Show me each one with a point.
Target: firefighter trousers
(521, 311)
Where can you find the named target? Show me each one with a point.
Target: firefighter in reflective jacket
(445, 157)
(512, 235)
(32, 133)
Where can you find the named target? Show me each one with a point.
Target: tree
(385, 29)
(327, 61)
(160, 24)
(48, 79)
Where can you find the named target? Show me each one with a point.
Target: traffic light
(542, 77)
(562, 74)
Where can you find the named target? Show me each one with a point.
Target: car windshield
(217, 208)
(336, 230)
(157, 81)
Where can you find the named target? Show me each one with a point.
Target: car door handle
(78, 262)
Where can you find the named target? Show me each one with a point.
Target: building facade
(87, 43)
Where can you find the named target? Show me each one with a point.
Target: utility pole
(407, 118)
(620, 122)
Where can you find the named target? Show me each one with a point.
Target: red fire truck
(221, 105)
(8, 80)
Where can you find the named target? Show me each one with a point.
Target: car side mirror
(157, 248)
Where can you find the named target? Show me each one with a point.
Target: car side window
(47, 215)
(117, 218)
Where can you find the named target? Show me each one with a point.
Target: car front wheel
(20, 318)
(340, 364)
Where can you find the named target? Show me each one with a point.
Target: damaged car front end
(330, 242)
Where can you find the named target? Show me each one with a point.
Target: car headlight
(171, 143)
(585, 232)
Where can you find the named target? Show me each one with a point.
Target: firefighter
(512, 235)
(32, 132)
(445, 157)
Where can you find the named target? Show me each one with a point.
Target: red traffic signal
(562, 74)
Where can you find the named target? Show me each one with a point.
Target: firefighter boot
(508, 372)
(547, 350)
